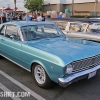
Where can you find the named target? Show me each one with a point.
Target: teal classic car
(42, 49)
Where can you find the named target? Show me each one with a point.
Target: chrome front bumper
(64, 82)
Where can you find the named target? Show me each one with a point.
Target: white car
(82, 27)
(82, 30)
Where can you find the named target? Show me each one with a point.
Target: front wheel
(40, 76)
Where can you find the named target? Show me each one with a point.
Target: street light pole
(72, 7)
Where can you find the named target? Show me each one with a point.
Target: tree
(33, 5)
(15, 6)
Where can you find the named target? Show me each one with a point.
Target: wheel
(40, 76)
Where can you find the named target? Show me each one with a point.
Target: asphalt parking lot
(15, 79)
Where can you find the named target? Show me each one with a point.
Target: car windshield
(34, 32)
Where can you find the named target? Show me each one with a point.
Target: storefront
(80, 7)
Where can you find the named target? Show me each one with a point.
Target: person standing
(60, 15)
(39, 18)
(43, 17)
(34, 16)
(3, 18)
(14, 18)
(20, 17)
(27, 17)
(9, 17)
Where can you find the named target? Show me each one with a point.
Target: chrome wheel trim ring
(39, 74)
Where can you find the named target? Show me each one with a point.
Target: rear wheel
(40, 76)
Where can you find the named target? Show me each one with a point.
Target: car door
(11, 43)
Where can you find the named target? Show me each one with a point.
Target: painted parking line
(35, 95)
(5, 89)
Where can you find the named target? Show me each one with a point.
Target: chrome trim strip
(73, 76)
(15, 63)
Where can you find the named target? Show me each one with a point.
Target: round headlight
(69, 69)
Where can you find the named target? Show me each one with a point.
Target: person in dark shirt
(3, 18)
(43, 17)
(14, 18)
(19, 17)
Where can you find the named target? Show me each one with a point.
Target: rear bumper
(64, 82)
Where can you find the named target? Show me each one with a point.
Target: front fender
(54, 71)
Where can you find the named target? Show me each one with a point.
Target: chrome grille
(86, 63)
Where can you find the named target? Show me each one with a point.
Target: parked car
(42, 49)
(82, 27)
(82, 30)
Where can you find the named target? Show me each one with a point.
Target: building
(9, 10)
(80, 7)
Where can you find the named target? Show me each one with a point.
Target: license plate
(92, 74)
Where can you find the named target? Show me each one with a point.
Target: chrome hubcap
(39, 74)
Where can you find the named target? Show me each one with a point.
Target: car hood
(66, 49)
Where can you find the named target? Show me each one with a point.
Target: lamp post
(72, 7)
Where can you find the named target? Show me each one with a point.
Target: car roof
(25, 23)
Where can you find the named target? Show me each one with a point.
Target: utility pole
(72, 7)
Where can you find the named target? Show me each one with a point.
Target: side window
(12, 32)
(2, 31)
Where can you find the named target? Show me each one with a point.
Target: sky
(20, 3)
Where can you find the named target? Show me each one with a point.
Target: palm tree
(15, 5)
